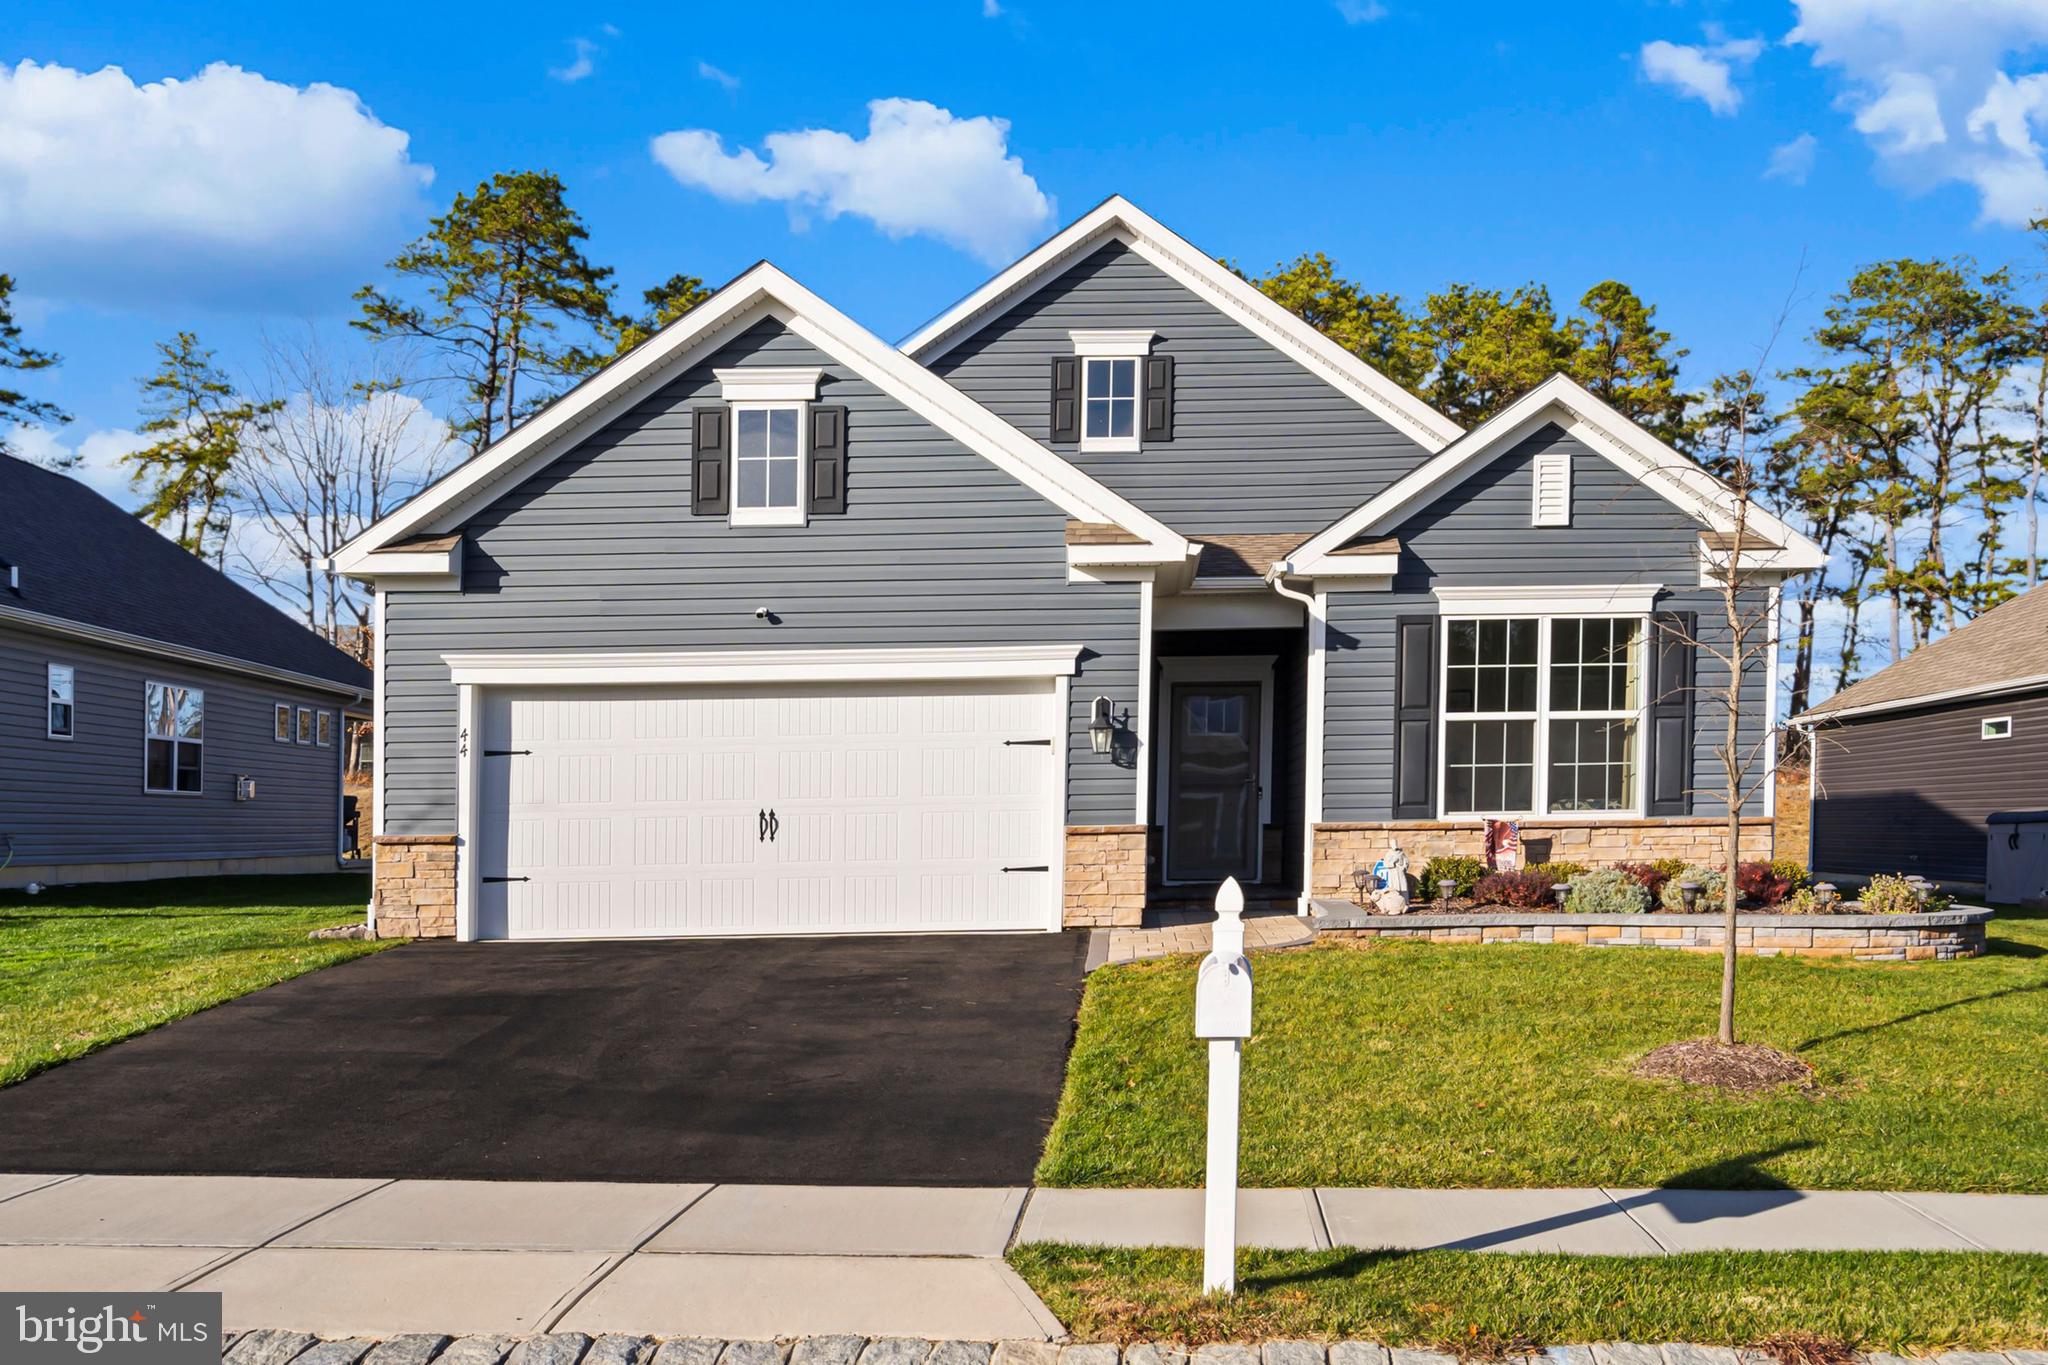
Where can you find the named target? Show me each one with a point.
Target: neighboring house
(1908, 763)
(156, 719)
(1115, 580)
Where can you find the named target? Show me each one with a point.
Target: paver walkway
(377, 1258)
(1188, 932)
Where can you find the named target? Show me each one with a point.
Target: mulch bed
(1746, 1068)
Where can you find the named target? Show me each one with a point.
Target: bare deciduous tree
(343, 448)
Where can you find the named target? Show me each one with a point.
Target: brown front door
(1212, 784)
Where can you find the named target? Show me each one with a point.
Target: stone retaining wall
(1105, 877)
(1696, 839)
(414, 885)
(1867, 938)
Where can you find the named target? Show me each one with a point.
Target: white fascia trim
(762, 291)
(1563, 401)
(1811, 718)
(607, 668)
(1097, 556)
(777, 384)
(1116, 217)
(1774, 562)
(1120, 343)
(203, 658)
(1542, 599)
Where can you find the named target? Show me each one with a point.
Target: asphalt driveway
(877, 1061)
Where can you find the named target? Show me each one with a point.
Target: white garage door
(884, 808)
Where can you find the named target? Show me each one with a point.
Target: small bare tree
(342, 449)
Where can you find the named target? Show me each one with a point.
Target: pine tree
(202, 425)
(15, 354)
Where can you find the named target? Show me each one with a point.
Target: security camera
(760, 613)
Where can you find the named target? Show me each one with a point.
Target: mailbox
(1223, 998)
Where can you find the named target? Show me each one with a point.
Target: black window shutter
(828, 461)
(1158, 398)
(1066, 398)
(1668, 746)
(710, 453)
(1415, 718)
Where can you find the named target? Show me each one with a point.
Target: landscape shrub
(1803, 901)
(1670, 867)
(1610, 891)
(1890, 893)
(1650, 876)
(1465, 871)
(1559, 872)
(1792, 870)
(1525, 890)
(1712, 885)
(1762, 883)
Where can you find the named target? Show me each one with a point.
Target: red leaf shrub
(1524, 890)
(1649, 876)
(1762, 883)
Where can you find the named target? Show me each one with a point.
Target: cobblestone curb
(272, 1347)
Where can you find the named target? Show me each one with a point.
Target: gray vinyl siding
(598, 550)
(1910, 791)
(1478, 534)
(1260, 443)
(81, 800)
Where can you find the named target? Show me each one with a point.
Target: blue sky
(1416, 142)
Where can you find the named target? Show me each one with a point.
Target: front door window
(1213, 783)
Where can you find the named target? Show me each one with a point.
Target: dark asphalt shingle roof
(85, 560)
(2006, 645)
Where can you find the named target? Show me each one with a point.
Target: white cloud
(918, 170)
(98, 455)
(1937, 90)
(1792, 161)
(1703, 71)
(990, 9)
(1361, 11)
(718, 77)
(581, 66)
(226, 182)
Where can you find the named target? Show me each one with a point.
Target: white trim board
(1118, 219)
(609, 668)
(184, 654)
(1561, 401)
(762, 292)
(1539, 599)
(1823, 714)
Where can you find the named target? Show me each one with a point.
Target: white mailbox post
(1223, 1015)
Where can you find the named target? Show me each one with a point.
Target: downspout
(1312, 724)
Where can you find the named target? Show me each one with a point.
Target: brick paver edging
(274, 1347)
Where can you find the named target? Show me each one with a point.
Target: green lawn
(1483, 1302)
(85, 966)
(1509, 1065)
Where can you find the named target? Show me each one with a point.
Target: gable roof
(761, 291)
(2004, 650)
(88, 568)
(1118, 219)
(1562, 401)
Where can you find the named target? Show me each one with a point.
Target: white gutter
(206, 658)
(1812, 718)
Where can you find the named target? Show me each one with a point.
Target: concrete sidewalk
(378, 1258)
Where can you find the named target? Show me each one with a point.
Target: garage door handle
(762, 837)
(774, 826)
(1039, 868)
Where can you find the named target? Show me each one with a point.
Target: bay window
(1540, 715)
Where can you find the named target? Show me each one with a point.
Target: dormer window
(1123, 393)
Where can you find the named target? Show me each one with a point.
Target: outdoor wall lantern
(1102, 729)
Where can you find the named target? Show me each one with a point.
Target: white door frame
(473, 672)
(1255, 669)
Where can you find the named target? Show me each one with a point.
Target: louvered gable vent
(1553, 489)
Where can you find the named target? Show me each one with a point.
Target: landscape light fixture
(1359, 877)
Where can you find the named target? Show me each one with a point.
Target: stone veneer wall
(1697, 839)
(1105, 876)
(1867, 938)
(414, 879)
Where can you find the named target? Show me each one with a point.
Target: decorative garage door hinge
(1041, 867)
(506, 753)
(1010, 742)
(504, 879)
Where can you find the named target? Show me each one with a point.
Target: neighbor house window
(174, 731)
(305, 725)
(767, 462)
(60, 702)
(1540, 715)
(323, 729)
(1999, 728)
(281, 723)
